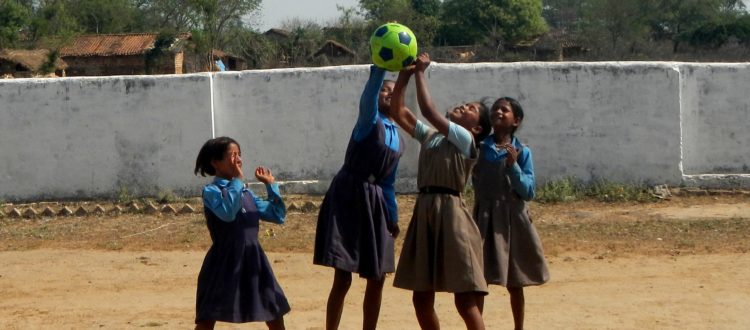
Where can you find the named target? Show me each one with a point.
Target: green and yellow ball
(393, 46)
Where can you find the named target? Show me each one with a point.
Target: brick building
(124, 54)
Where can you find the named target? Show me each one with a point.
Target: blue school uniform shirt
(366, 121)
(271, 209)
(521, 174)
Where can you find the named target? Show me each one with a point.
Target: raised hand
(422, 62)
(409, 70)
(264, 175)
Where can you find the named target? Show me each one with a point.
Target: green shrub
(166, 197)
(124, 196)
(564, 190)
(571, 189)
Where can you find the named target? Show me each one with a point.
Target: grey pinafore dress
(513, 255)
(442, 249)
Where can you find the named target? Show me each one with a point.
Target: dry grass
(596, 228)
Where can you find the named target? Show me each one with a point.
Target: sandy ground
(84, 289)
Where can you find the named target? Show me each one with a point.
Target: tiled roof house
(123, 54)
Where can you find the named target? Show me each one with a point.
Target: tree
(255, 48)
(383, 11)
(213, 19)
(53, 24)
(104, 16)
(713, 35)
(611, 23)
(304, 39)
(166, 15)
(468, 22)
(562, 14)
(353, 31)
(13, 18)
(421, 16)
(673, 19)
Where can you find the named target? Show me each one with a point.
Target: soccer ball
(393, 46)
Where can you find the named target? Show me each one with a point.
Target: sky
(275, 12)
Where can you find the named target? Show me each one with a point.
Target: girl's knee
(423, 299)
(376, 281)
(466, 301)
(342, 280)
(277, 324)
(516, 291)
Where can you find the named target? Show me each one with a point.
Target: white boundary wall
(635, 122)
(716, 117)
(92, 137)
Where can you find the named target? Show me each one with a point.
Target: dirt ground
(682, 263)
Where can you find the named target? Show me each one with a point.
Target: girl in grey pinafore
(442, 249)
(503, 183)
(513, 255)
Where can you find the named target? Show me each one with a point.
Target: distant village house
(122, 54)
(140, 53)
(23, 63)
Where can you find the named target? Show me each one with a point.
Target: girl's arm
(521, 175)
(224, 205)
(403, 117)
(368, 104)
(271, 209)
(426, 106)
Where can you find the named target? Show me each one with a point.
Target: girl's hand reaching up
(422, 62)
(264, 175)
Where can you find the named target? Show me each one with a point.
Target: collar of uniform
(491, 151)
(386, 121)
(223, 183)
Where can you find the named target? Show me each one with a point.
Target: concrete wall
(715, 116)
(92, 137)
(596, 120)
(630, 122)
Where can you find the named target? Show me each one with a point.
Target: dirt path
(84, 289)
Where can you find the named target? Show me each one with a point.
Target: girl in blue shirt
(236, 283)
(358, 219)
(503, 183)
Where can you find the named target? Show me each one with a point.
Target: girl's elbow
(526, 194)
(280, 217)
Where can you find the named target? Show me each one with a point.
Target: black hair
(484, 119)
(516, 107)
(213, 149)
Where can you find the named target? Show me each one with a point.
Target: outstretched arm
(426, 106)
(399, 112)
(368, 104)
